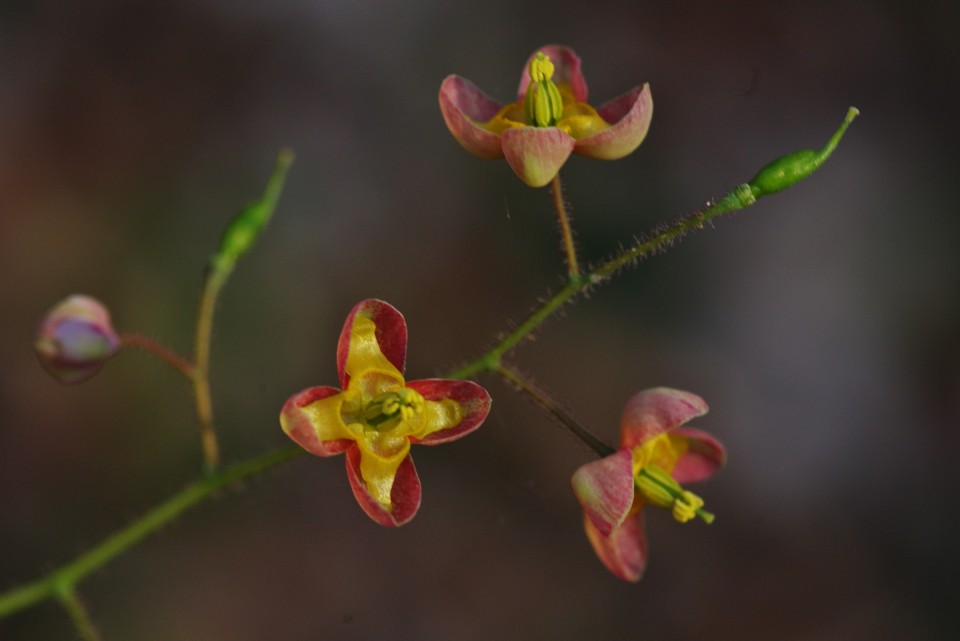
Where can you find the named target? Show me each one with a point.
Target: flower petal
(365, 347)
(536, 154)
(312, 419)
(655, 411)
(605, 490)
(474, 405)
(463, 106)
(625, 551)
(404, 496)
(629, 116)
(705, 455)
(566, 65)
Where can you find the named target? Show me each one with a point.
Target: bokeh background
(821, 325)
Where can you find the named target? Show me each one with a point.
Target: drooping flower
(656, 456)
(549, 120)
(74, 339)
(377, 414)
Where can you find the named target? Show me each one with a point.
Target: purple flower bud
(74, 339)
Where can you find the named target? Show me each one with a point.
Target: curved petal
(625, 551)
(566, 65)
(473, 400)
(605, 490)
(629, 116)
(705, 455)
(312, 419)
(654, 411)
(387, 338)
(464, 105)
(404, 497)
(536, 154)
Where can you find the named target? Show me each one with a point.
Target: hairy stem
(168, 356)
(60, 583)
(544, 400)
(778, 175)
(490, 361)
(566, 234)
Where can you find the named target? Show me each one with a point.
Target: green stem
(239, 236)
(65, 577)
(490, 361)
(78, 613)
(168, 356)
(778, 175)
(566, 234)
(544, 400)
(213, 283)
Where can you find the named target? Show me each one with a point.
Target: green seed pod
(247, 225)
(788, 170)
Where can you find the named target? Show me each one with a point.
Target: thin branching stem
(168, 356)
(78, 613)
(544, 400)
(490, 361)
(69, 575)
(566, 232)
(61, 582)
(201, 373)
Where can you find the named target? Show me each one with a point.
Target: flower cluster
(549, 120)
(656, 456)
(377, 414)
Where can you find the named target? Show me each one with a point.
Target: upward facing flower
(656, 455)
(549, 120)
(377, 414)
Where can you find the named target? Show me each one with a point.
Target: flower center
(388, 410)
(542, 103)
(662, 490)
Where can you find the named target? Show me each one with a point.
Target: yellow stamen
(388, 410)
(541, 67)
(662, 490)
(543, 103)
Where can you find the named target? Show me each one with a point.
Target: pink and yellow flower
(656, 456)
(377, 414)
(549, 120)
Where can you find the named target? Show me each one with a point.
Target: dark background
(821, 325)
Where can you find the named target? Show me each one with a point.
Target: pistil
(542, 103)
(388, 410)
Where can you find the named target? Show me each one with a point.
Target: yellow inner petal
(364, 353)
(663, 451)
(579, 119)
(325, 416)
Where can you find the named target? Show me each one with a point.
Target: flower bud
(74, 339)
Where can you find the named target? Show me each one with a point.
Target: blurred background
(821, 325)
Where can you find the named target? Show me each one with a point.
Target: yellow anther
(541, 67)
(386, 411)
(390, 406)
(662, 490)
(543, 103)
(686, 505)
